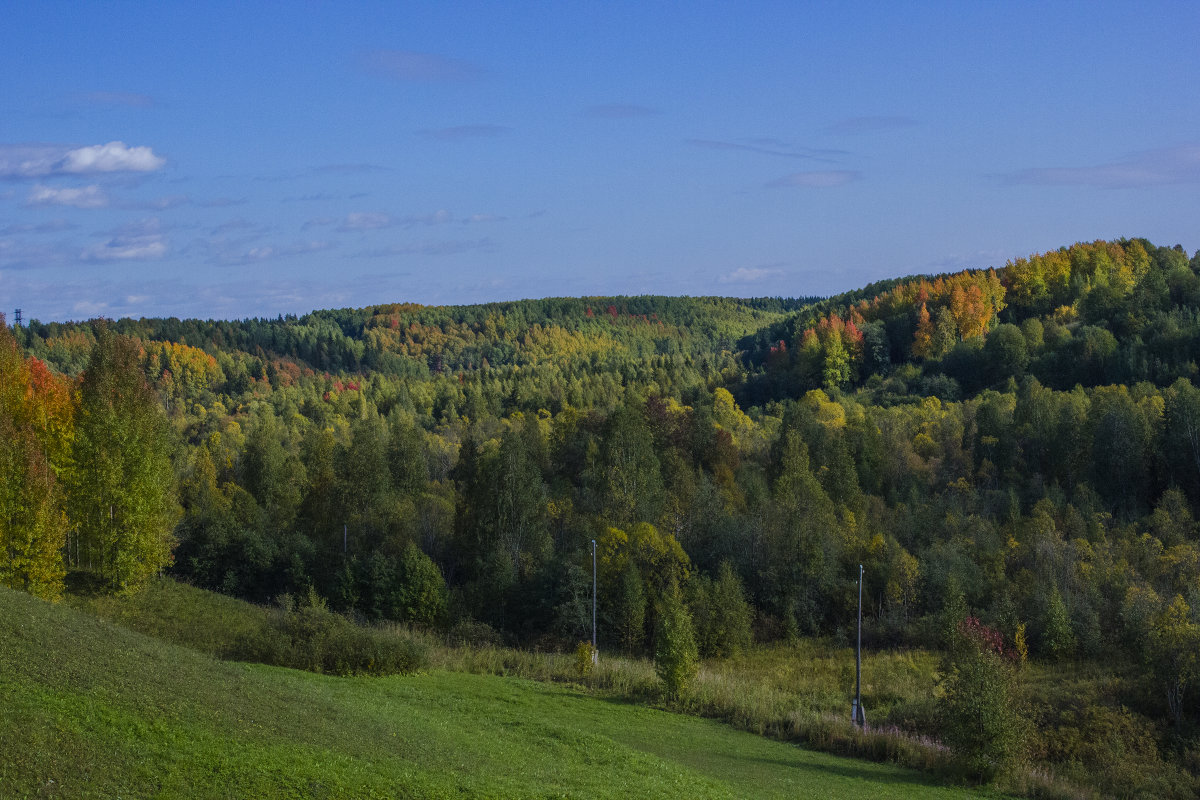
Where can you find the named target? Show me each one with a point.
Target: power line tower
(17, 318)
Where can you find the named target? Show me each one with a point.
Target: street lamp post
(856, 712)
(595, 652)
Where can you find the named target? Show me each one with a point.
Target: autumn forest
(1012, 455)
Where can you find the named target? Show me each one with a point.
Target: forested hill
(414, 340)
(1089, 314)
(1020, 445)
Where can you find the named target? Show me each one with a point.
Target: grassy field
(92, 709)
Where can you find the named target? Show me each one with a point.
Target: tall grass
(801, 693)
(301, 635)
(794, 693)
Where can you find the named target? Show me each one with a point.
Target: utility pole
(856, 712)
(595, 652)
(17, 318)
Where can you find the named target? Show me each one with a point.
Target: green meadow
(89, 708)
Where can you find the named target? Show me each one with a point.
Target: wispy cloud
(84, 197)
(221, 202)
(750, 275)
(1161, 167)
(19, 161)
(412, 66)
(142, 240)
(430, 248)
(461, 132)
(768, 147)
(160, 203)
(365, 221)
(127, 248)
(235, 224)
(821, 179)
(619, 111)
(359, 221)
(50, 226)
(255, 255)
(852, 126)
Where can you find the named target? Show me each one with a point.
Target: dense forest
(1015, 447)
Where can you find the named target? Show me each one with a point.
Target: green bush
(979, 705)
(309, 636)
(585, 659)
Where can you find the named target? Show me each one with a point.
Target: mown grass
(93, 709)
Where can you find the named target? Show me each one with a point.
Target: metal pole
(859, 718)
(595, 652)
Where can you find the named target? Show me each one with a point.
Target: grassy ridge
(91, 709)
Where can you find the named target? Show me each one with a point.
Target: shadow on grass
(886, 773)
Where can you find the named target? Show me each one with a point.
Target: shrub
(585, 659)
(978, 709)
(309, 636)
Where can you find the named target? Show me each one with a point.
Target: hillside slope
(89, 709)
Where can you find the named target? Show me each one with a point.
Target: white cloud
(111, 157)
(749, 275)
(29, 160)
(365, 221)
(377, 220)
(269, 252)
(86, 197)
(127, 248)
(41, 160)
(821, 179)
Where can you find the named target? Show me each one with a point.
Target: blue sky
(248, 159)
